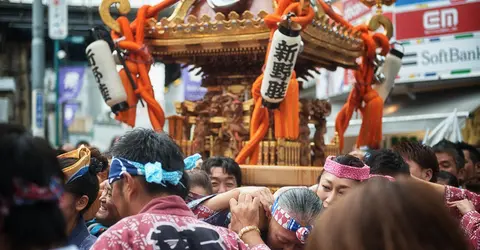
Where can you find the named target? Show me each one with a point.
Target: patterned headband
(80, 167)
(285, 220)
(153, 171)
(27, 193)
(344, 171)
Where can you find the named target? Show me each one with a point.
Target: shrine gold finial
(379, 19)
(123, 7)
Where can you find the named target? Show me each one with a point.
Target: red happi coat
(470, 221)
(167, 223)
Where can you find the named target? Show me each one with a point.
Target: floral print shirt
(168, 223)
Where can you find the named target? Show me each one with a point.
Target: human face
(281, 238)
(469, 166)
(417, 171)
(221, 181)
(118, 199)
(331, 188)
(107, 213)
(447, 163)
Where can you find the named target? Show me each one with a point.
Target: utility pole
(38, 69)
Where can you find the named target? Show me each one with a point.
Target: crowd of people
(145, 194)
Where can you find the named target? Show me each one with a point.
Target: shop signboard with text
(433, 22)
(453, 56)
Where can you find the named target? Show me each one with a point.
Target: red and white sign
(438, 21)
(58, 19)
(354, 9)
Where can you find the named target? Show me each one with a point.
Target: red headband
(344, 171)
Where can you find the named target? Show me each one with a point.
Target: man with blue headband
(149, 185)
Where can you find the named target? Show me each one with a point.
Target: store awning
(404, 114)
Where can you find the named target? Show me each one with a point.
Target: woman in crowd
(81, 189)
(339, 175)
(380, 215)
(30, 187)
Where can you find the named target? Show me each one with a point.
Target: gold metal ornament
(381, 20)
(123, 7)
(378, 3)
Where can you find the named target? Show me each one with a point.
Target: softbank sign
(450, 55)
(441, 57)
(440, 21)
(445, 20)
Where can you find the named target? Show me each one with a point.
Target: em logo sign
(439, 21)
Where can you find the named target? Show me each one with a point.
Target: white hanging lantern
(104, 70)
(285, 46)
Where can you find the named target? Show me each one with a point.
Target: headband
(153, 171)
(344, 171)
(285, 220)
(80, 167)
(28, 193)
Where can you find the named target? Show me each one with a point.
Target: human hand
(464, 206)
(245, 212)
(262, 193)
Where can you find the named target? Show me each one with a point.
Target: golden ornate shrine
(228, 42)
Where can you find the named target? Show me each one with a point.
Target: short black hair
(450, 178)
(82, 142)
(88, 183)
(386, 162)
(349, 160)
(228, 164)
(421, 154)
(474, 153)
(473, 184)
(451, 148)
(40, 224)
(146, 145)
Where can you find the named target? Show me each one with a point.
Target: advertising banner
(432, 22)
(413, 2)
(70, 82)
(445, 57)
(354, 9)
(69, 110)
(58, 19)
(193, 89)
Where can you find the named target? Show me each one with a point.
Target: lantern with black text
(285, 46)
(104, 70)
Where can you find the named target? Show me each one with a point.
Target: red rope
(138, 63)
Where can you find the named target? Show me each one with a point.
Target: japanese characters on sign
(278, 71)
(58, 19)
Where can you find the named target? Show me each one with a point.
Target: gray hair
(301, 203)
